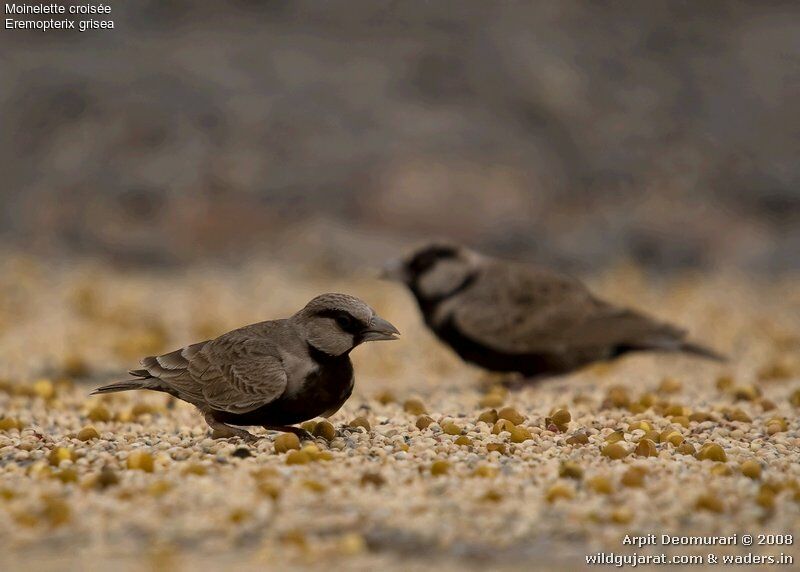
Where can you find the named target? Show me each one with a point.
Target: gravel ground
(430, 463)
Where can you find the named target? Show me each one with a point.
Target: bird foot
(229, 432)
(302, 434)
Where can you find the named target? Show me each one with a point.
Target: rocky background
(576, 133)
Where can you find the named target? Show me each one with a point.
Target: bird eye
(343, 321)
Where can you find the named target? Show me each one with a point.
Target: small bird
(513, 317)
(273, 374)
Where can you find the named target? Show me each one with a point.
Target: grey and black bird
(513, 317)
(273, 374)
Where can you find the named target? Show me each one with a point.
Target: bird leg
(301, 433)
(222, 431)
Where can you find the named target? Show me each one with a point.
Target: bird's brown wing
(232, 373)
(518, 309)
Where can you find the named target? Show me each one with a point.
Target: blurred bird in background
(512, 317)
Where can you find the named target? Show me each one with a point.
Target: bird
(515, 317)
(273, 374)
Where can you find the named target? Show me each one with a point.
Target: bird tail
(127, 385)
(702, 351)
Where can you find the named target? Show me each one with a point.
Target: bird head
(434, 271)
(336, 323)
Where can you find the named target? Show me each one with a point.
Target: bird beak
(380, 329)
(394, 270)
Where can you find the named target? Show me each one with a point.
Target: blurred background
(573, 133)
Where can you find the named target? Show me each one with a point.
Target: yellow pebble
(643, 425)
(559, 491)
(601, 485)
(510, 414)
(520, 434)
(140, 460)
(614, 451)
(570, 470)
(60, 454)
(414, 407)
(9, 423)
(646, 448)
(502, 425)
(99, 413)
(712, 452)
(295, 457)
(489, 416)
(709, 502)
(669, 385)
(451, 428)
(325, 430)
(562, 417)
(286, 442)
(579, 438)
(633, 477)
(622, 515)
(88, 433)
(485, 471)
(360, 422)
(491, 400)
(751, 469)
(440, 468)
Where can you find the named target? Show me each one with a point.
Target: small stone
(88, 433)
(561, 417)
(712, 452)
(491, 400)
(485, 471)
(295, 457)
(414, 407)
(440, 467)
(372, 478)
(614, 451)
(669, 385)
(510, 414)
(579, 438)
(601, 485)
(99, 413)
(451, 428)
(646, 448)
(710, 502)
(520, 434)
(360, 422)
(502, 425)
(140, 460)
(559, 491)
(286, 442)
(242, 453)
(634, 477)
(9, 423)
(489, 416)
(44, 388)
(325, 430)
(570, 470)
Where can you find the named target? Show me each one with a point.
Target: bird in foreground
(273, 374)
(513, 317)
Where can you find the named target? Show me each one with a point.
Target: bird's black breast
(528, 364)
(323, 392)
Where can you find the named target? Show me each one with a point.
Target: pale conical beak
(394, 270)
(380, 329)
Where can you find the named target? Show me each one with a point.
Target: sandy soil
(134, 481)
